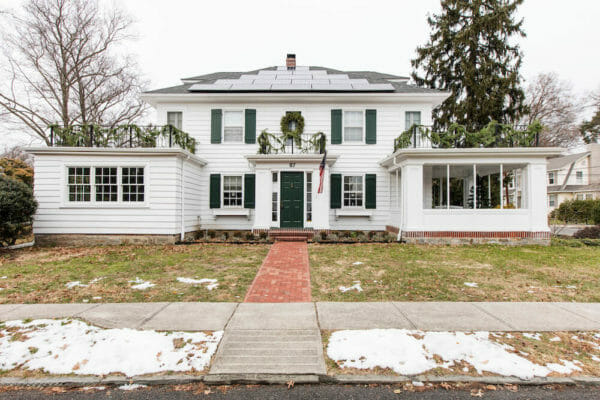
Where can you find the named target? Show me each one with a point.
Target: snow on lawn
(75, 347)
(356, 287)
(471, 284)
(211, 283)
(74, 284)
(141, 284)
(412, 352)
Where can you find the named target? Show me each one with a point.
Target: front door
(292, 199)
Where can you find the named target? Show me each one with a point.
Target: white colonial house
(236, 176)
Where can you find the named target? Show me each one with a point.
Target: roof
(303, 79)
(561, 162)
(573, 188)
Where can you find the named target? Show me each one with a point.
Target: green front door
(292, 199)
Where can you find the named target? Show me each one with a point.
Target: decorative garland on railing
(92, 135)
(296, 134)
(271, 144)
(493, 134)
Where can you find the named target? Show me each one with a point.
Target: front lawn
(103, 274)
(395, 272)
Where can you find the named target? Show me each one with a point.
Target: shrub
(17, 207)
(578, 211)
(591, 232)
(249, 236)
(16, 169)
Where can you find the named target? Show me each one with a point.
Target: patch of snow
(413, 352)
(95, 280)
(3, 277)
(85, 300)
(93, 388)
(417, 383)
(533, 336)
(141, 284)
(132, 386)
(595, 358)
(71, 285)
(554, 339)
(211, 283)
(356, 287)
(357, 263)
(471, 284)
(75, 347)
(97, 298)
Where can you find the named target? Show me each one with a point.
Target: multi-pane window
(353, 126)
(551, 178)
(274, 196)
(353, 191)
(79, 185)
(412, 118)
(175, 118)
(274, 207)
(579, 176)
(552, 200)
(106, 184)
(232, 191)
(233, 126)
(132, 180)
(309, 196)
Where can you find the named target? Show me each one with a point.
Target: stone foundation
(83, 240)
(458, 238)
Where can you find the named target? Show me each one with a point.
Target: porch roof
(293, 158)
(487, 152)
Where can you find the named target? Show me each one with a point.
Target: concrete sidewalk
(326, 315)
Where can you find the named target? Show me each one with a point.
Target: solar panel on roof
(290, 87)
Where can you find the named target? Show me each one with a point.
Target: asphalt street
(309, 392)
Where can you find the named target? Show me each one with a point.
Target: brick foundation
(82, 240)
(476, 237)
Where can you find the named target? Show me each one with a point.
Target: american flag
(322, 172)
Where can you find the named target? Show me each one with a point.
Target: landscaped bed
(199, 272)
(395, 272)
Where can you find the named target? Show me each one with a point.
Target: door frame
(302, 198)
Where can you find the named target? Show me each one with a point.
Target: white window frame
(275, 189)
(364, 129)
(65, 203)
(175, 111)
(118, 184)
(223, 191)
(551, 200)
(363, 192)
(579, 176)
(312, 177)
(223, 127)
(551, 178)
(578, 195)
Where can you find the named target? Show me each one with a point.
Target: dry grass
(394, 272)
(39, 275)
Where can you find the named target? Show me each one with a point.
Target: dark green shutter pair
(249, 190)
(370, 126)
(335, 199)
(216, 126)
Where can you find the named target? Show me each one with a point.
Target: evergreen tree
(470, 54)
(590, 130)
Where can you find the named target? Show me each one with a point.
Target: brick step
(291, 235)
(290, 238)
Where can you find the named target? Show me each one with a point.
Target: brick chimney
(290, 61)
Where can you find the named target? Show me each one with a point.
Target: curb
(278, 379)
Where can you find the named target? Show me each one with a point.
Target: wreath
(295, 134)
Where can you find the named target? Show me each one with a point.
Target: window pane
(514, 190)
(353, 194)
(412, 118)
(352, 134)
(488, 186)
(232, 134)
(175, 118)
(132, 180)
(106, 184)
(274, 208)
(308, 196)
(435, 186)
(79, 187)
(232, 191)
(233, 118)
(461, 186)
(353, 118)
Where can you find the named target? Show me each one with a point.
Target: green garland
(493, 134)
(269, 143)
(296, 134)
(92, 135)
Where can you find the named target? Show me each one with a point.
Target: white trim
(353, 213)
(223, 206)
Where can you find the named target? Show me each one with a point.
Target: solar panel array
(301, 79)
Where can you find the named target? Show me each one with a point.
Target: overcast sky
(185, 38)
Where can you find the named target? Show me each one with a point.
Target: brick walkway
(284, 276)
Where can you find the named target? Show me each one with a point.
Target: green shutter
(371, 126)
(371, 191)
(249, 191)
(215, 191)
(250, 129)
(335, 199)
(336, 126)
(216, 117)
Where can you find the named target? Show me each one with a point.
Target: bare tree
(64, 65)
(552, 102)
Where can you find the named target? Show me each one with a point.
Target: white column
(534, 196)
(412, 196)
(263, 190)
(320, 206)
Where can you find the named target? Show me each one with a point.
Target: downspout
(182, 194)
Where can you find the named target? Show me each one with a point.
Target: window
(175, 118)
(309, 196)
(274, 207)
(106, 184)
(551, 178)
(353, 191)
(353, 126)
(274, 196)
(579, 196)
(552, 200)
(79, 184)
(579, 176)
(132, 180)
(232, 191)
(589, 196)
(481, 186)
(412, 118)
(233, 126)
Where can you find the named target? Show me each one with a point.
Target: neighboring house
(574, 177)
(166, 193)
